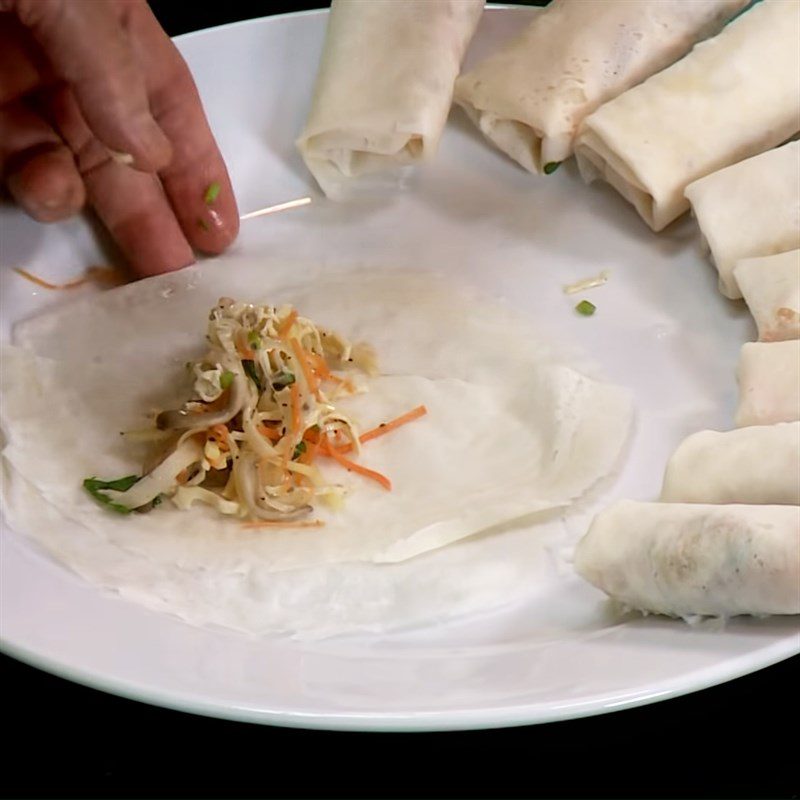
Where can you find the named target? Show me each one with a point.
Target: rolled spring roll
(384, 87)
(771, 289)
(686, 559)
(733, 96)
(749, 209)
(529, 98)
(758, 465)
(769, 383)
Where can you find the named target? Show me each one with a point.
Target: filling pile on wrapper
(499, 430)
(263, 408)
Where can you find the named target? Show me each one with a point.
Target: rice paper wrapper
(512, 435)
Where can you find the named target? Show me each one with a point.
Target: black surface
(733, 740)
(62, 739)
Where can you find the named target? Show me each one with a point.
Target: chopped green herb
(299, 450)
(254, 340)
(586, 308)
(212, 193)
(226, 379)
(202, 224)
(158, 500)
(95, 488)
(283, 380)
(551, 166)
(250, 371)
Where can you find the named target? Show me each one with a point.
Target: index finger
(196, 179)
(86, 43)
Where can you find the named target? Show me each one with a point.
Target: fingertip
(203, 201)
(47, 185)
(215, 233)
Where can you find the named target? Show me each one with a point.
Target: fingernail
(58, 204)
(53, 203)
(50, 209)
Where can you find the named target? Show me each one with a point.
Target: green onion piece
(250, 371)
(212, 193)
(254, 340)
(283, 380)
(586, 308)
(299, 450)
(202, 224)
(226, 379)
(158, 500)
(551, 166)
(95, 486)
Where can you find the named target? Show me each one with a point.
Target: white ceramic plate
(661, 328)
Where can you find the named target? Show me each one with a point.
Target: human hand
(97, 106)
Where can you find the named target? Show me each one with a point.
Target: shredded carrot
(108, 276)
(220, 434)
(346, 382)
(327, 450)
(243, 348)
(286, 325)
(270, 433)
(73, 284)
(311, 435)
(320, 367)
(294, 395)
(387, 427)
(310, 452)
(308, 372)
(311, 523)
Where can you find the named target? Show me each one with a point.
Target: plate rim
(421, 721)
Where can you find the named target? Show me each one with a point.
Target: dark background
(734, 740)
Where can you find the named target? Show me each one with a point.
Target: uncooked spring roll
(769, 383)
(684, 559)
(749, 209)
(771, 289)
(733, 96)
(759, 464)
(384, 87)
(529, 98)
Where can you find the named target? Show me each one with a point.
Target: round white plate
(661, 328)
